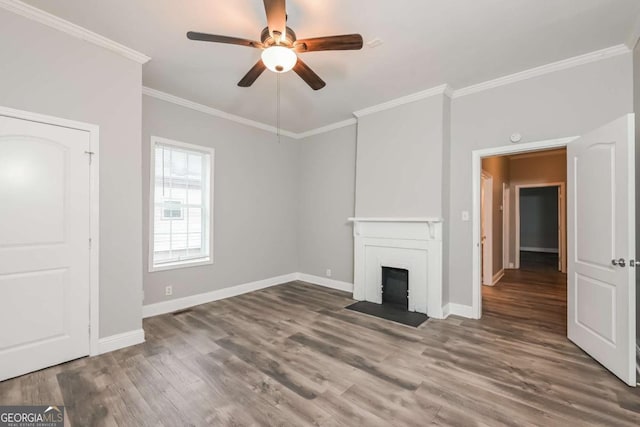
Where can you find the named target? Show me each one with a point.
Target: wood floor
(292, 355)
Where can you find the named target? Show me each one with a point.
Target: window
(181, 201)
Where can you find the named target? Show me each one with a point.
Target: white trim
(170, 306)
(94, 208)
(542, 250)
(544, 69)
(325, 129)
(438, 90)
(444, 89)
(506, 211)
(118, 341)
(476, 165)
(458, 310)
(46, 18)
(152, 177)
(497, 277)
(326, 282)
(213, 111)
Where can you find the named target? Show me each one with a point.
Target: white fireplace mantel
(411, 243)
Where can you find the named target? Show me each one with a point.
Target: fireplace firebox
(395, 287)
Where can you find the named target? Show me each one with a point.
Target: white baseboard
(458, 310)
(118, 341)
(326, 282)
(497, 277)
(232, 291)
(543, 250)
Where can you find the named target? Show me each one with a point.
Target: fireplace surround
(411, 244)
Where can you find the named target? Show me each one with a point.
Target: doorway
(540, 221)
(601, 237)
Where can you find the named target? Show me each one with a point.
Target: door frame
(486, 178)
(476, 168)
(506, 227)
(562, 229)
(94, 209)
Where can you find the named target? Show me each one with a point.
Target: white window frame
(152, 176)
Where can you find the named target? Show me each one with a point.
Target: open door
(601, 246)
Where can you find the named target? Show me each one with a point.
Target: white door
(486, 195)
(601, 235)
(44, 246)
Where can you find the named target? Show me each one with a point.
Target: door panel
(44, 245)
(601, 228)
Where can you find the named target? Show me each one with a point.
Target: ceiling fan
(280, 46)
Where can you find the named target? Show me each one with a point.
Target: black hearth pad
(389, 312)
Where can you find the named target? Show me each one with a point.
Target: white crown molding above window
(564, 64)
(444, 89)
(438, 90)
(74, 30)
(214, 112)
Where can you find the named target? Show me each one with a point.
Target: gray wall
(399, 161)
(326, 199)
(255, 208)
(564, 103)
(46, 71)
(498, 168)
(539, 218)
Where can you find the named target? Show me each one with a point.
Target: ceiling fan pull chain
(278, 107)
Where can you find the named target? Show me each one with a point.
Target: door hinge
(90, 153)
(89, 242)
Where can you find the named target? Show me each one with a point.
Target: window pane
(181, 222)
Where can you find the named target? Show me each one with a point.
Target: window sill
(180, 264)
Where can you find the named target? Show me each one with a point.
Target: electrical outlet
(328, 272)
(168, 291)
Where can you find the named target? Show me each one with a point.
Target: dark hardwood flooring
(538, 261)
(292, 355)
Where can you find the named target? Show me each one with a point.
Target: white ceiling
(426, 43)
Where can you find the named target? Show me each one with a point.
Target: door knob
(620, 262)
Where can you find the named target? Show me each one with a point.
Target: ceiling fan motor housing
(268, 40)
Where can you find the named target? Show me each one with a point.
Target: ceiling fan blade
(276, 16)
(192, 35)
(253, 74)
(345, 42)
(307, 74)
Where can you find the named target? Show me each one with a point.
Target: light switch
(465, 215)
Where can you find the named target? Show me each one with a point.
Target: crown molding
(587, 58)
(214, 112)
(325, 129)
(444, 89)
(438, 90)
(634, 35)
(74, 30)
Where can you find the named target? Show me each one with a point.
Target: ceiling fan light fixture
(279, 59)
